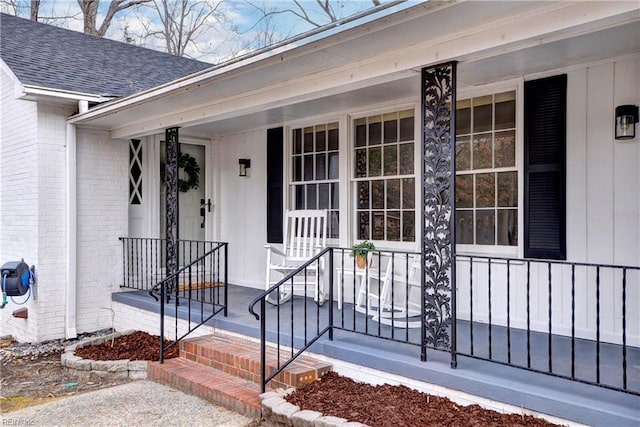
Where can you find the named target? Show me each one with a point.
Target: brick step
(208, 383)
(241, 358)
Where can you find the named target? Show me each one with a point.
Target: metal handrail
(175, 275)
(491, 280)
(262, 318)
(143, 263)
(164, 299)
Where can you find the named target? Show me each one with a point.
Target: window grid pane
(314, 167)
(486, 171)
(135, 172)
(384, 168)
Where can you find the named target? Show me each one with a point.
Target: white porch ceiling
(346, 72)
(610, 43)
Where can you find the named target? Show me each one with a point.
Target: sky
(234, 30)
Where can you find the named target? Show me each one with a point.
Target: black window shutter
(275, 141)
(545, 118)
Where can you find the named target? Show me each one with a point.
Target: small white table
(360, 280)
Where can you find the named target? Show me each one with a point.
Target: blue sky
(215, 42)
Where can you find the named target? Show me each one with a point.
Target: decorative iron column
(438, 208)
(171, 204)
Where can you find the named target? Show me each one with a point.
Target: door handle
(203, 211)
(203, 205)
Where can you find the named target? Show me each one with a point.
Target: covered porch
(366, 131)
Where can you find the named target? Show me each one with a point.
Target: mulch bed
(392, 406)
(135, 346)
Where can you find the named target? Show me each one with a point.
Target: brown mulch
(135, 346)
(391, 406)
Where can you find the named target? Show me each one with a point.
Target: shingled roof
(57, 58)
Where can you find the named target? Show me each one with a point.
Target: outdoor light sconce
(244, 165)
(626, 119)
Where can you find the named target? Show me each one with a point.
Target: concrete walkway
(139, 403)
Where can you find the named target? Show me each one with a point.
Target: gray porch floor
(539, 392)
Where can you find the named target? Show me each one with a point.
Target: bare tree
(316, 14)
(46, 11)
(35, 9)
(324, 11)
(12, 7)
(90, 9)
(183, 21)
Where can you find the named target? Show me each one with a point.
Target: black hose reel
(16, 279)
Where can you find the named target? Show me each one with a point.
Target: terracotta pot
(361, 261)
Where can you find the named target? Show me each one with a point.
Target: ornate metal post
(171, 205)
(438, 208)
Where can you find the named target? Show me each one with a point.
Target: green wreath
(191, 169)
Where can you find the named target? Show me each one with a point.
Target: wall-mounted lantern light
(244, 165)
(626, 119)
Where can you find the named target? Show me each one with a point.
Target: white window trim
(287, 166)
(489, 89)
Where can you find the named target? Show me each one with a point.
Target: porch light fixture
(244, 165)
(626, 119)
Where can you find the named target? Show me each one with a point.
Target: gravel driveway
(139, 403)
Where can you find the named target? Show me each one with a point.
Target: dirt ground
(27, 380)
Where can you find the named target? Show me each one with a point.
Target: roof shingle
(57, 58)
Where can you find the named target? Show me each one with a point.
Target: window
(314, 183)
(486, 172)
(384, 175)
(135, 172)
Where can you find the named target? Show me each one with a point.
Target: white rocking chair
(305, 235)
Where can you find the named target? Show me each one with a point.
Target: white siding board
(600, 164)
(577, 165)
(242, 206)
(626, 174)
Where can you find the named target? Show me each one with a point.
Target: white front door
(191, 216)
(193, 200)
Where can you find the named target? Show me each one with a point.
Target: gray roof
(57, 58)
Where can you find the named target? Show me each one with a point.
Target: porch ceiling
(609, 43)
(344, 72)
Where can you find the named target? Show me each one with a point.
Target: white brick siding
(102, 217)
(33, 215)
(52, 227)
(18, 196)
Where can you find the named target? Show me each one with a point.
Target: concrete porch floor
(547, 394)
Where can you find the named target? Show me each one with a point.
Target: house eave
(531, 26)
(275, 54)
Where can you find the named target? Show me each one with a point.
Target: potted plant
(360, 251)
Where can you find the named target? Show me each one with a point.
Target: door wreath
(191, 169)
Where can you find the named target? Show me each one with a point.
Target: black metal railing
(199, 292)
(565, 319)
(311, 327)
(144, 259)
(366, 304)
(381, 298)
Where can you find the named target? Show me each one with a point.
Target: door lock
(203, 205)
(204, 208)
